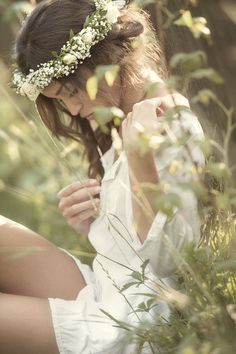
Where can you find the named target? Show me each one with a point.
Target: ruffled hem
(56, 326)
(79, 325)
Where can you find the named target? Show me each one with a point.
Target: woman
(60, 305)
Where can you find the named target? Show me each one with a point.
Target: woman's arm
(143, 168)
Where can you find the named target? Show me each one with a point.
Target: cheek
(85, 99)
(98, 102)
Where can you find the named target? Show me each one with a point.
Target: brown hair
(47, 29)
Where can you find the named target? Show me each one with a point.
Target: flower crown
(73, 53)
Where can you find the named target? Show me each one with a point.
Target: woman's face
(77, 101)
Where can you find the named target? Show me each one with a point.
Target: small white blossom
(69, 59)
(112, 12)
(88, 36)
(120, 3)
(29, 90)
(73, 52)
(116, 140)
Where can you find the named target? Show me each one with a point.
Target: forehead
(52, 89)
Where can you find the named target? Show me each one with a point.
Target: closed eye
(61, 104)
(73, 93)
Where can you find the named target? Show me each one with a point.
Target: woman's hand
(145, 114)
(79, 204)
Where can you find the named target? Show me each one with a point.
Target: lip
(89, 117)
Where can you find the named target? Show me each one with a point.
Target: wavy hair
(47, 29)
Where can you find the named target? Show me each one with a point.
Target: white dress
(80, 326)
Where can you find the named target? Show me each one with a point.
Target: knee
(3, 220)
(10, 230)
(6, 223)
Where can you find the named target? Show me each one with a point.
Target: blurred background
(34, 166)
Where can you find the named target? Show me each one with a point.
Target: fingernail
(59, 194)
(97, 189)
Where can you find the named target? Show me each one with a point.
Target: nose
(73, 107)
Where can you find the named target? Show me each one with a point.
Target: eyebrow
(59, 90)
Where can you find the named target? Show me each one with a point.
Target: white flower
(112, 12)
(120, 3)
(116, 140)
(88, 36)
(17, 78)
(29, 90)
(73, 52)
(69, 59)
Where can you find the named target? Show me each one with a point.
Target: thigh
(26, 326)
(32, 266)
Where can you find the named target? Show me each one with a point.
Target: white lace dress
(81, 325)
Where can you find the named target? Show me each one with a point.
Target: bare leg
(26, 326)
(32, 266)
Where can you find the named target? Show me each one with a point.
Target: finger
(81, 207)
(173, 100)
(146, 111)
(79, 196)
(78, 219)
(159, 111)
(149, 102)
(73, 187)
(180, 100)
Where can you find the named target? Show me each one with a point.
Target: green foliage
(109, 72)
(189, 61)
(203, 310)
(197, 25)
(28, 157)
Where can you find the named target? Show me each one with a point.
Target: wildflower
(29, 90)
(112, 12)
(69, 59)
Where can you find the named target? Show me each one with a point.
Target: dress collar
(107, 158)
(110, 165)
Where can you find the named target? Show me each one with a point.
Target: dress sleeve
(167, 236)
